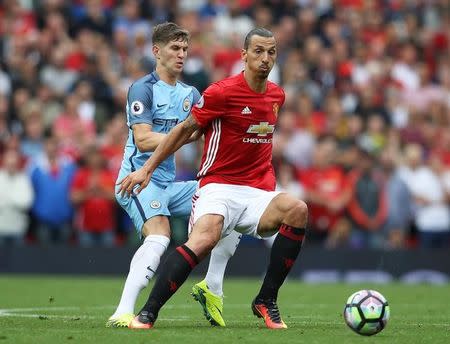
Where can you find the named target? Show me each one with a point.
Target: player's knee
(297, 215)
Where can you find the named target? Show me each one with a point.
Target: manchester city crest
(155, 204)
(186, 105)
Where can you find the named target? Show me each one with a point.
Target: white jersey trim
(213, 147)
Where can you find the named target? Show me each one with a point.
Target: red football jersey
(238, 125)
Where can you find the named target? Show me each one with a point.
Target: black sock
(174, 272)
(285, 250)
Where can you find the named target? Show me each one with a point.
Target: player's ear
(244, 55)
(155, 51)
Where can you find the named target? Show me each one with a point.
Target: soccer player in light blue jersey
(155, 104)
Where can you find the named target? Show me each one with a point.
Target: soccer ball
(366, 312)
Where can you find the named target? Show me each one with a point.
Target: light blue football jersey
(151, 100)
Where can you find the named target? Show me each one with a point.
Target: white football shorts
(241, 206)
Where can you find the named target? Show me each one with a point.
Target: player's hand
(127, 184)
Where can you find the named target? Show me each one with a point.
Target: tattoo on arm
(191, 124)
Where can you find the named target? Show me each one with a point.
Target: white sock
(220, 255)
(142, 268)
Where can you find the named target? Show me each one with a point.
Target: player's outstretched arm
(146, 140)
(195, 135)
(176, 138)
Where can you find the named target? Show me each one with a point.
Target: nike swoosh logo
(217, 309)
(160, 105)
(203, 294)
(149, 269)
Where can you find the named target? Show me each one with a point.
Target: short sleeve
(195, 96)
(139, 104)
(210, 106)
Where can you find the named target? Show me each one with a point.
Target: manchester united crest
(276, 107)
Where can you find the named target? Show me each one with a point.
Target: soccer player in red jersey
(236, 181)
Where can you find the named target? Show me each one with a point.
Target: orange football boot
(143, 321)
(268, 310)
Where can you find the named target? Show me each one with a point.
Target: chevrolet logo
(262, 129)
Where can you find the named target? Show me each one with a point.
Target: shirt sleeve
(139, 104)
(210, 106)
(195, 96)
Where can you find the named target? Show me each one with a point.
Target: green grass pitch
(74, 310)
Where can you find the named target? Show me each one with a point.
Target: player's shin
(220, 255)
(142, 268)
(177, 268)
(285, 250)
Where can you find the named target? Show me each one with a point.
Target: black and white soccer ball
(366, 312)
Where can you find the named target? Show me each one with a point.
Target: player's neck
(257, 85)
(165, 76)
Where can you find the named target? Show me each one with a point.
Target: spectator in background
(112, 141)
(90, 111)
(32, 142)
(92, 192)
(51, 106)
(291, 143)
(327, 194)
(232, 21)
(95, 17)
(72, 131)
(431, 212)
(287, 180)
(138, 30)
(368, 207)
(374, 138)
(54, 74)
(4, 125)
(403, 71)
(5, 82)
(21, 97)
(15, 201)
(399, 202)
(51, 177)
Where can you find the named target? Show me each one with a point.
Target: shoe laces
(272, 309)
(146, 317)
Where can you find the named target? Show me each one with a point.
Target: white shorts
(241, 206)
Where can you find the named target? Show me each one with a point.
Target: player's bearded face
(260, 55)
(173, 55)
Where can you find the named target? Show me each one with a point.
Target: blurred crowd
(364, 135)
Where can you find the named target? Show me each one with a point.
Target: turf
(74, 310)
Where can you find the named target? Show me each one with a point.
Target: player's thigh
(205, 234)
(156, 225)
(149, 203)
(283, 208)
(217, 199)
(256, 203)
(180, 197)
